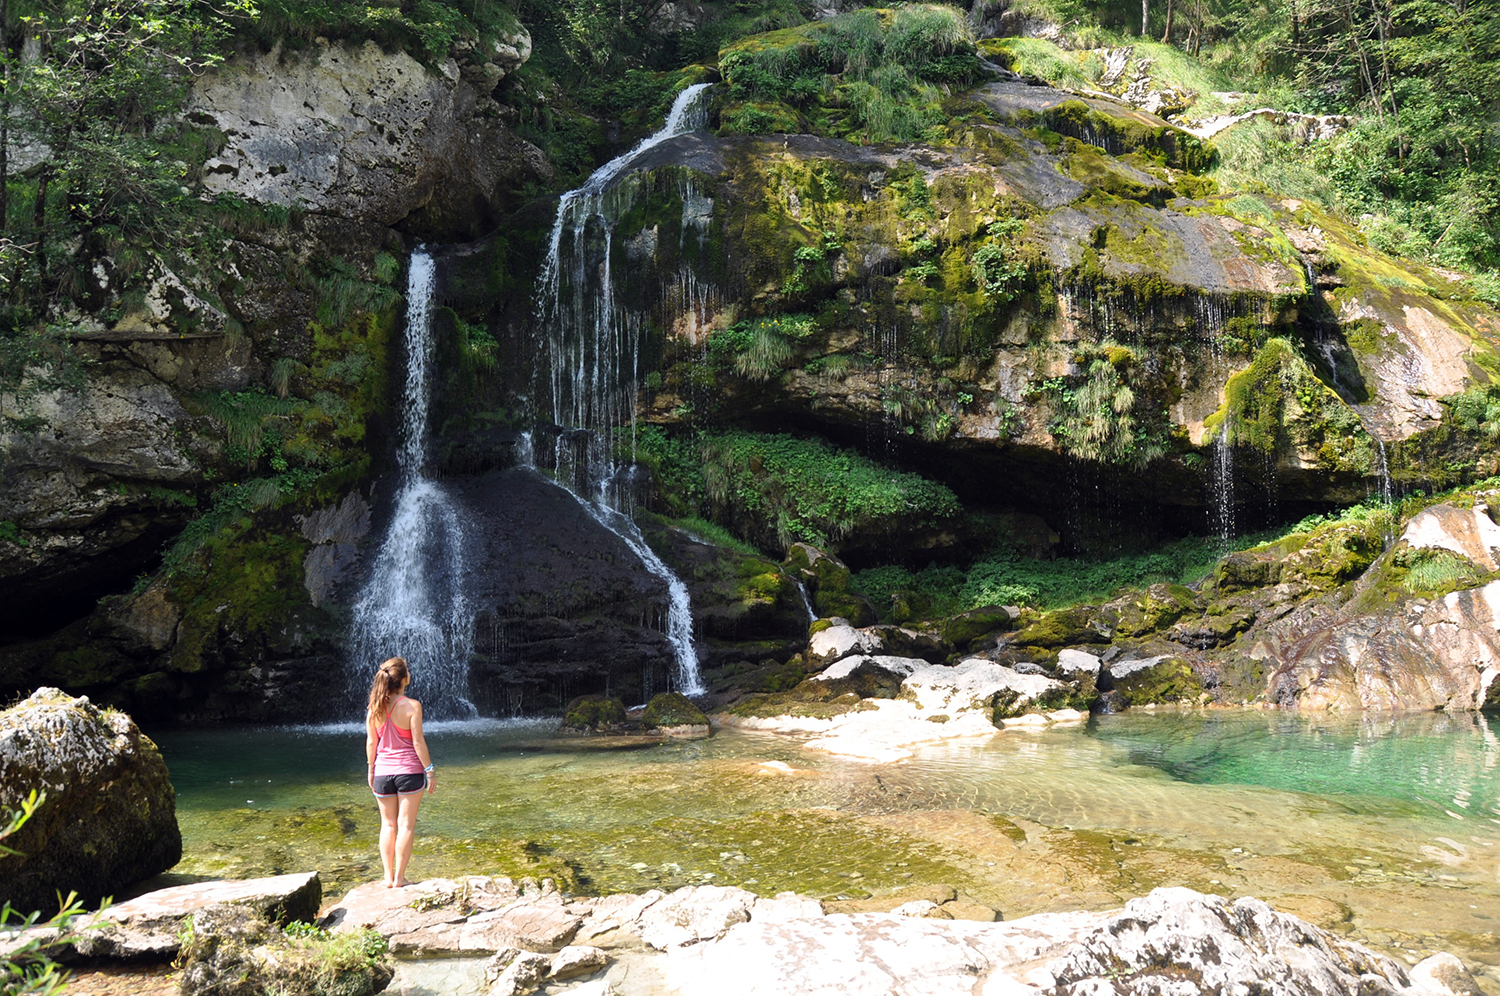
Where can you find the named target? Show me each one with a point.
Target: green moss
(593, 713)
(672, 709)
(1058, 628)
(1171, 680)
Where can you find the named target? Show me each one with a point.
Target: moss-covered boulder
(966, 627)
(827, 578)
(109, 816)
(1058, 628)
(1154, 679)
(1150, 610)
(671, 709)
(594, 713)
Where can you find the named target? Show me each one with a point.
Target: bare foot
(403, 883)
(388, 885)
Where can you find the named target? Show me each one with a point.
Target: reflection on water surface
(1383, 828)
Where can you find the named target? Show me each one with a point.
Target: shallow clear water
(1386, 829)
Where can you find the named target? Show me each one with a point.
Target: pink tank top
(395, 754)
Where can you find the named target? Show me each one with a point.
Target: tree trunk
(1166, 36)
(39, 223)
(4, 114)
(1295, 27)
(1145, 18)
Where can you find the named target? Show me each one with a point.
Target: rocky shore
(503, 938)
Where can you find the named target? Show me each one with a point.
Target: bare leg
(389, 807)
(406, 832)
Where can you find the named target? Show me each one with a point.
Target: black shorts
(388, 785)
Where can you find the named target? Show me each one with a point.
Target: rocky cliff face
(1050, 311)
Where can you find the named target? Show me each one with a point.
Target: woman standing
(400, 767)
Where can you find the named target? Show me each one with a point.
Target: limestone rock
(525, 973)
(232, 952)
(1138, 681)
(1174, 940)
(109, 819)
(1468, 532)
(475, 915)
(575, 960)
(978, 685)
(360, 133)
(1205, 944)
(81, 531)
(839, 641)
(1075, 664)
(1442, 974)
(693, 914)
(150, 926)
(335, 533)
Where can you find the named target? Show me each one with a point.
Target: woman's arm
(372, 740)
(420, 743)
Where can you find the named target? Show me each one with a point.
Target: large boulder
(109, 819)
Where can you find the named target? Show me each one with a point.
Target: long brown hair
(387, 685)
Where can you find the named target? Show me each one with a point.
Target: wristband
(427, 770)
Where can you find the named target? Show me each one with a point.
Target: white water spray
(594, 373)
(412, 606)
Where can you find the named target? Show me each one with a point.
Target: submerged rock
(109, 818)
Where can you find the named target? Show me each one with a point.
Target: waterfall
(812, 615)
(1383, 472)
(412, 605)
(594, 369)
(1223, 482)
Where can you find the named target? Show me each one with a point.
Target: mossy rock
(854, 608)
(228, 951)
(109, 819)
(1059, 628)
(593, 713)
(1240, 571)
(1168, 680)
(672, 709)
(793, 703)
(966, 627)
(1152, 610)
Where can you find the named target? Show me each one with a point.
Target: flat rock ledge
(721, 940)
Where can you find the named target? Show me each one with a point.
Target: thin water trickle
(413, 604)
(812, 615)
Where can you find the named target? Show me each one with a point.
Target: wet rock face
(1387, 644)
(79, 484)
(109, 819)
(367, 135)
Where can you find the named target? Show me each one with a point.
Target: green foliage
(1008, 579)
(1477, 411)
(778, 489)
(26, 966)
(1436, 572)
(999, 268)
(1107, 414)
(760, 348)
(11, 533)
(868, 74)
(426, 28)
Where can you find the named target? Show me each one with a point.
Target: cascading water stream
(412, 606)
(812, 615)
(1223, 483)
(594, 370)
